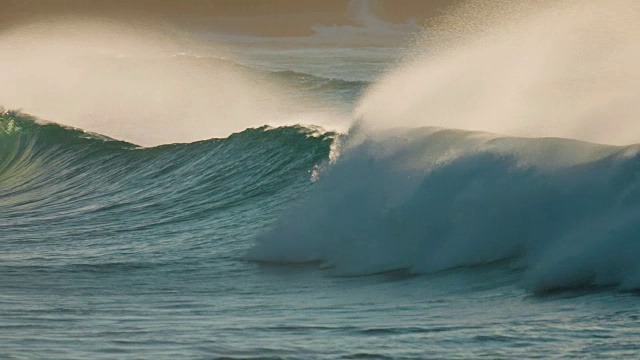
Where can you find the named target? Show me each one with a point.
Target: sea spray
(563, 70)
(141, 84)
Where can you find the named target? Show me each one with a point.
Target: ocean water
(317, 237)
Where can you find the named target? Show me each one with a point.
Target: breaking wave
(424, 200)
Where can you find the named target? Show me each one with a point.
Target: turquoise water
(295, 242)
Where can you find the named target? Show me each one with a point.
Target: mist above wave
(563, 70)
(127, 82)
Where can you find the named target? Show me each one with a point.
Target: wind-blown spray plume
(568, 70)
(137, 84)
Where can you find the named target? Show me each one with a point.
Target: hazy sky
(256, 17)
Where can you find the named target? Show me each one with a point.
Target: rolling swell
(337, 90)
(565, 212)
(334, 88)
(71, 198)
(346, 89)
(352, 89)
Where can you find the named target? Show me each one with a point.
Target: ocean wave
(340, 90)
(63, 184)
(320, 82)
(426, 200)
(313, 82)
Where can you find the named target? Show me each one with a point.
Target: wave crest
(52, 174)
(430, 200)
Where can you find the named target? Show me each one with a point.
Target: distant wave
(339, 89)
(309, 81)
(322, 82)
(426, 200)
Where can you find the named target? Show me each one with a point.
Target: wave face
(565, 212)
(71, 197)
